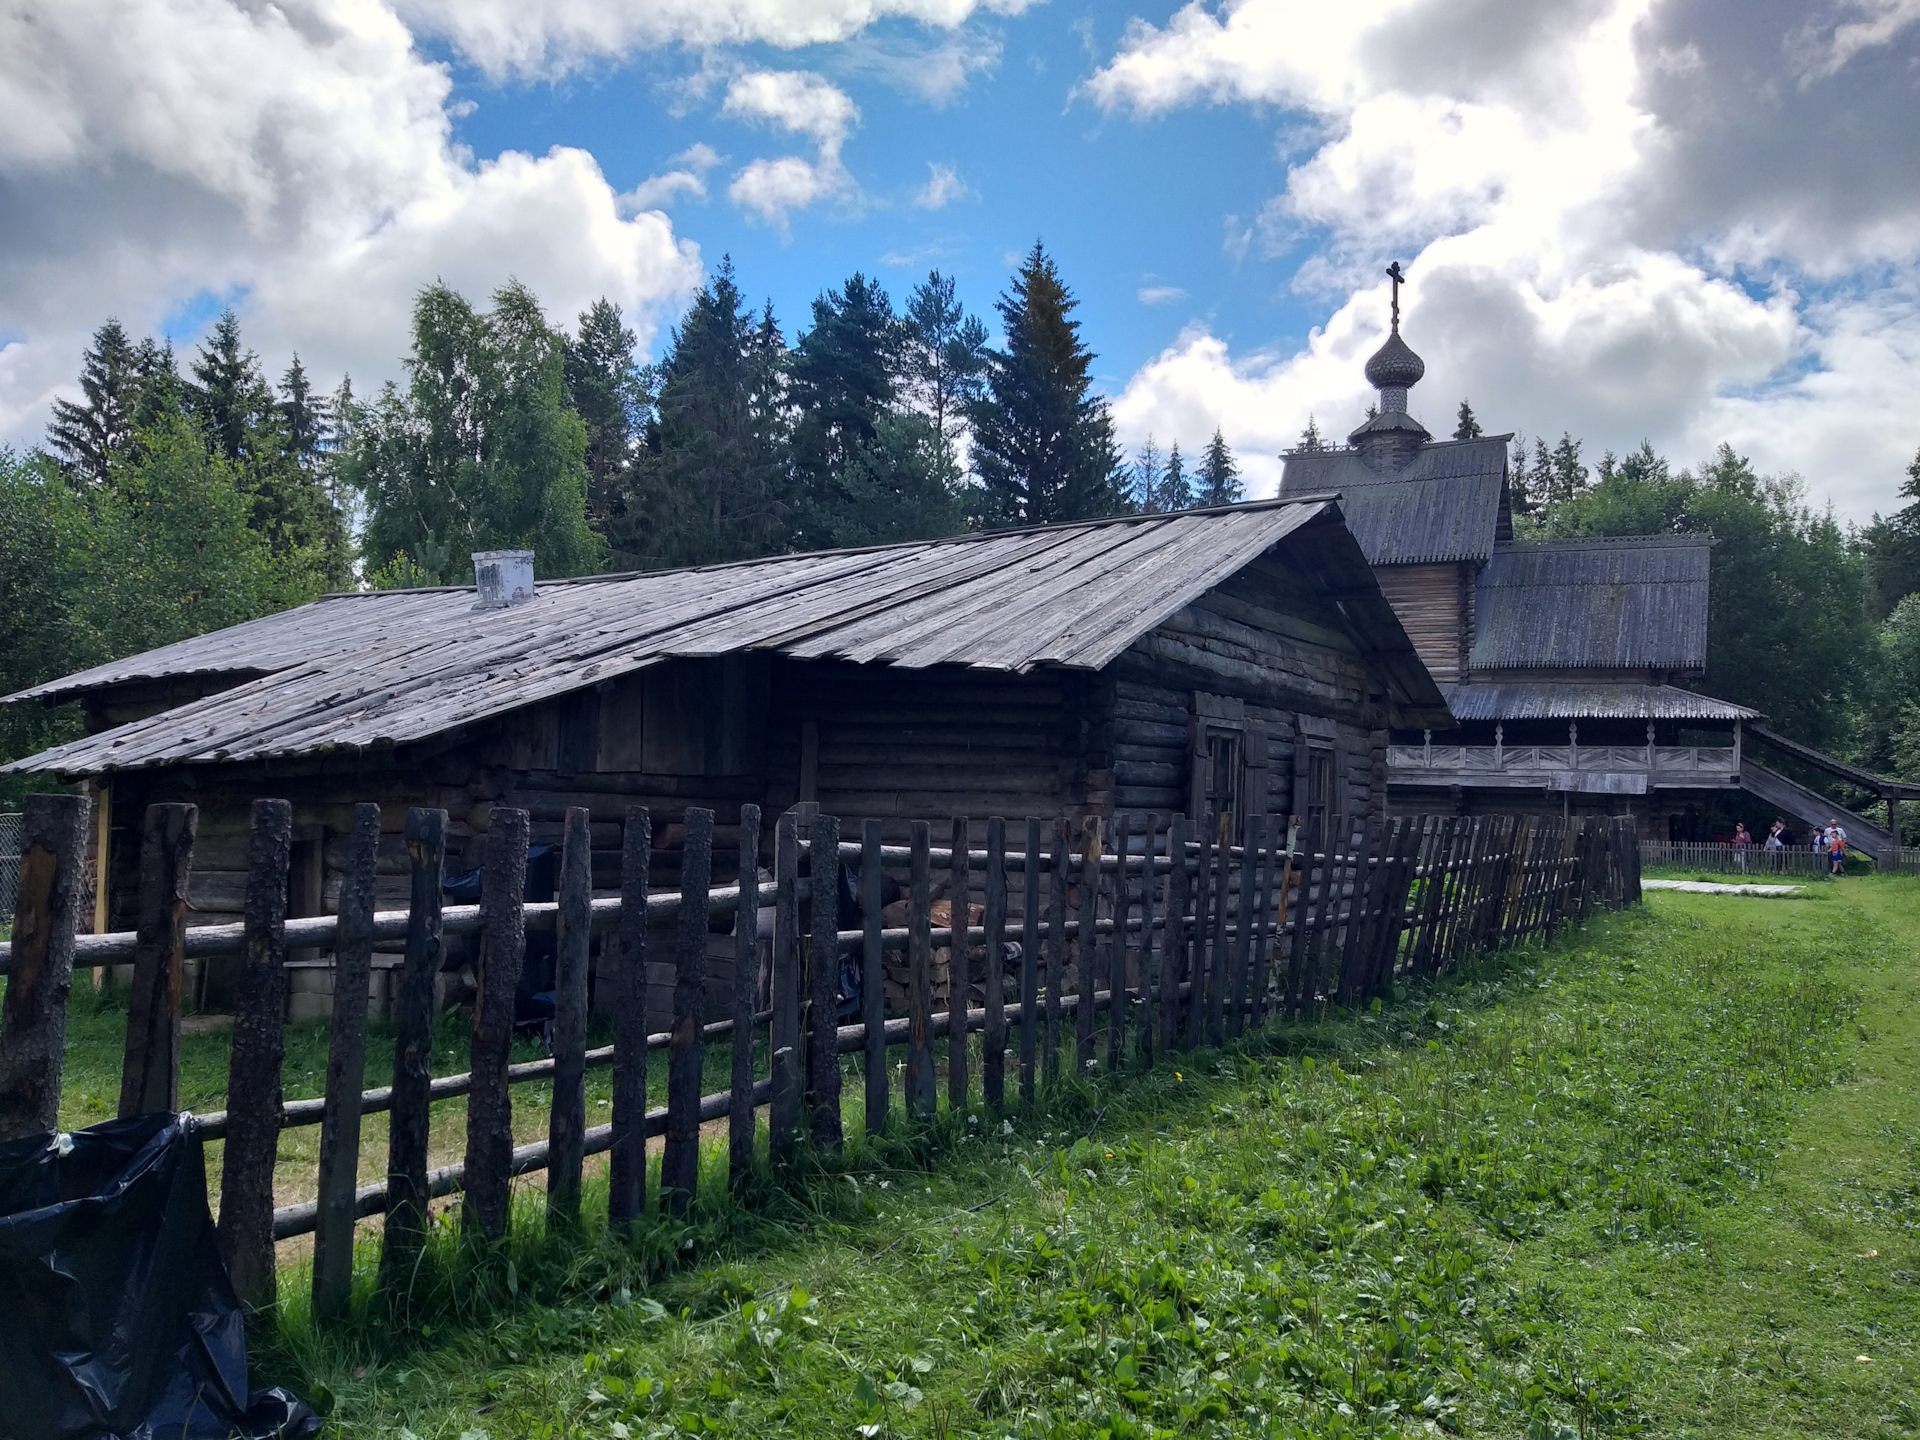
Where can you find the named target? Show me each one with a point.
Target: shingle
(1610, 603)
(1564, 700)
(1444, 506)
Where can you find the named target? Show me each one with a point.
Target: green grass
(1664, 1179)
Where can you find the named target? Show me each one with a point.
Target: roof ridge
(1601, 542)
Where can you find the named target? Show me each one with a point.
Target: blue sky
(1625, 219)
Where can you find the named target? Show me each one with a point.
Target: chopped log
(150, 1076)
(627, 1156)
(741, 1113)
(1030, 959)
(567, 1120)
(783, 1112)
(960, 908)
(346, 1074)
(680, 1158)
(503, 952)
(33, 1018)
(920, 1092)
(873, 996)
(407, 1128)
(823, 1056)
(993, 1064)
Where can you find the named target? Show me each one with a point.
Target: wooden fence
(1131, 938)
(1717, 858)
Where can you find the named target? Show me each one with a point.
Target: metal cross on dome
(1393, 274)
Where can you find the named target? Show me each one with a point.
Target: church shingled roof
(1443, 505)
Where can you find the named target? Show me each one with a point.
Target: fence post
(920, 1092)
(150, 1077)
(1087, 970)
(567, 1117)
(1056, 949)
(627, 1157)
(1030, 959)
(253, 1067)
(33, 1020)
(1173, 955)
(993, 1059)
(959, 970)
(503, 952)
(783, 1111)
(823, 1044)
(873, 974)
(680, 1159)
(1151, 1000)
(408, 1123)
(1243, 926)
(346, 1072)
(741, 1123)
(1117, 950)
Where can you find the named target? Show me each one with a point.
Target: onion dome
(1394, 366)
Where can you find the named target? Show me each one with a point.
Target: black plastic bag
(118, 1322)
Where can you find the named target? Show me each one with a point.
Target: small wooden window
(1319, 797)
(1223, 791)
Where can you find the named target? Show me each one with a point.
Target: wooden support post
(407, 1126)
(741, 1121)
(346, 1072)
(1030, 959)
(150, 1077)
(1056, 949)
(1117, 947)
(783, 1111)
(567, 1120)
(959, 971)
(919, 1087)
(503, 952)
(823, 1047)
(873, 975)
(33, 1018)
(254, 1064)
(1088, 969)
(993, 1059)
(627, 1156)
(1243, 925)
(1173, 945)
(680, 1158)
(1151, 947)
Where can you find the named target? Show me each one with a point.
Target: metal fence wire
(9, 865)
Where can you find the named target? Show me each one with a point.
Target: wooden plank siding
(1435, 604)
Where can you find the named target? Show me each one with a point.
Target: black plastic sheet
(118, 1322)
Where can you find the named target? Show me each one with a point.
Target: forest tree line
(175, 497)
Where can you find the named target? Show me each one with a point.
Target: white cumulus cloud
(943, 187)
(1622, 218)
(801, 103)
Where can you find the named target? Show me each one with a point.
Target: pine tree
(1146, 476)
(87, 436)
(1466, 426)
(1219, 476)
(1311, 440)
(1176, 491)
(1043, 440)
(609, 391)
(945, 360)
(712, 473)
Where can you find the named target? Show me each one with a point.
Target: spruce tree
(1466, 425)
(1176, 491)
(1219, 476)
(229, 394)
(609, 391)
(1311, 440)
(945, 360)
(1146, 476)
(712, 473)
(88, 435)
(1520, 488)
(1043, 440)
(1569, 475)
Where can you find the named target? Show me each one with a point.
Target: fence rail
(1102, 944)
(1720, 858)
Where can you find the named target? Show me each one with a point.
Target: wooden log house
(1240, 660)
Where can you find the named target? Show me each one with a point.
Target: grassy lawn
(1662, 1179)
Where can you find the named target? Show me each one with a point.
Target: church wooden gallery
(1241, 660)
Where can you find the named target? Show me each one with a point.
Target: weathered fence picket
(408, 1125)
(33, 1020)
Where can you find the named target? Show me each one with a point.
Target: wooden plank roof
(1443, 505)
(1583, 700)
(1618, 603)
(382, 668)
